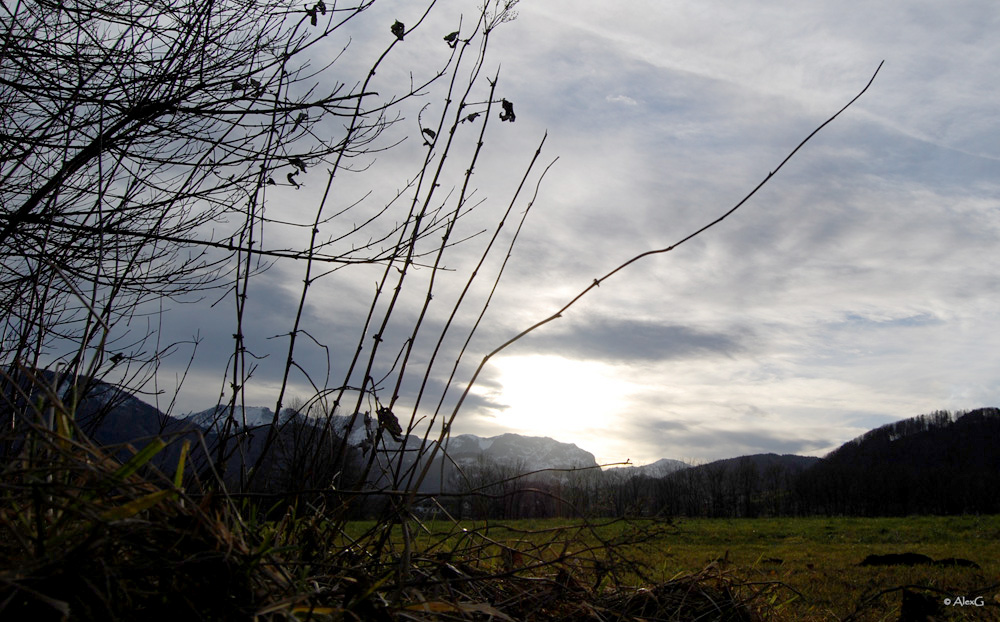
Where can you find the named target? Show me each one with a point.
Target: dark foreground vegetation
(84, 536)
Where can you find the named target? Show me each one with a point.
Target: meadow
(782, 568)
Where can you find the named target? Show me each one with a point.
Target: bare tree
(139, 142)
(142, 144)
(438, 196)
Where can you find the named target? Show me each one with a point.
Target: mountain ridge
(937, 463)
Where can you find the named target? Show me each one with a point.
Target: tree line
(941, 463)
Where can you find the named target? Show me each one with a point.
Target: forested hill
(882, 436)
(940, 463)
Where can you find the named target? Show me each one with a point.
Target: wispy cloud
(624, 100)
(858, 286)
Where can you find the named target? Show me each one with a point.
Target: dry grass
(83, 536)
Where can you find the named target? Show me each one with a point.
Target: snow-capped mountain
(248, 417)
(531, 453)
(660, 468)
(525, 453)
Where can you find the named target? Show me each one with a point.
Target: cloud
(756, 441)
(622, 99)
(678, 436)
(857, 286)
(626, 339)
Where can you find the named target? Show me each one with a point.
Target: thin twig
(597, 282)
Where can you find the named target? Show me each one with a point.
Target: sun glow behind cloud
(546, 395)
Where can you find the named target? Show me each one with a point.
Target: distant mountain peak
(660, 468)
(533, 453)
(248, 417)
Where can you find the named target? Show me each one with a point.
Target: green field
(789, 568)
(820, 557)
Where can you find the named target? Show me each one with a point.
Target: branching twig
(597, 282)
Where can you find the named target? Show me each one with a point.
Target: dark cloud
(669, 435)
(854, 321)
(763, 441)
(701, 443)
(661, 425)
(631, 340)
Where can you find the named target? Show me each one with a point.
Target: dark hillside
(931, 464)
(108, 415)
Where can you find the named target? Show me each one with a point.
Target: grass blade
(139, 459)
(179, 474)
(135, 506)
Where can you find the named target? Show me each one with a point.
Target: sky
(859, 286)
